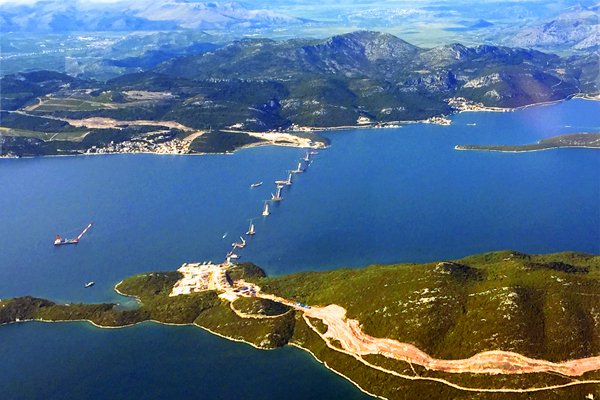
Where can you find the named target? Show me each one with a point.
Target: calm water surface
(375, 196)
(151, 361)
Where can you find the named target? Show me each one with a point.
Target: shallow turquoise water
(375, 196)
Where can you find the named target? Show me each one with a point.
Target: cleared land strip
(104, 123)
(355, 341)
(107, 123)
(440, 380)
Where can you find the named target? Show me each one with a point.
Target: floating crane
(307, 158)
(251, 229)
(266, 210)
(58, 241)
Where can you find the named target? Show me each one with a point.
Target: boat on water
(314, 153)
(232, 255)
(87, 285)
(256, 184)
(251, 230)
(59, 241)
(266, 210)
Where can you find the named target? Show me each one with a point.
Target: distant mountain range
(66, 16)
(576, 27)
(512, 24)
(377, 66)
(335, 81)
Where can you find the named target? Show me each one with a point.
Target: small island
(588, 140)
(501, 325)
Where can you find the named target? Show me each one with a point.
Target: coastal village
(182, 146)
(160, 142)
(174, 146)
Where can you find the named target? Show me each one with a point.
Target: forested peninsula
(542, 307)
(587, 140)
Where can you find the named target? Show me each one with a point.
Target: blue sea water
(374, 196)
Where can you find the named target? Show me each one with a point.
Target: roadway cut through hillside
(357, 344)
(355, 341)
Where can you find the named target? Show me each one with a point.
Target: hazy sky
(271, 4)
(349, 5)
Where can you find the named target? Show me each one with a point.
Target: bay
(151, 361)
(374, 196)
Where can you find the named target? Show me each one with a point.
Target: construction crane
(58, 241)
